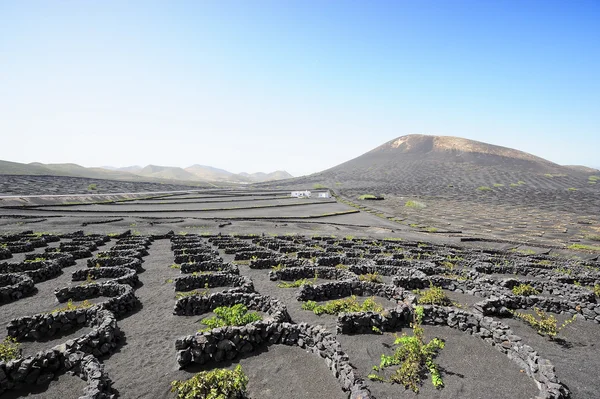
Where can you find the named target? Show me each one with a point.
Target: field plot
(303, 316)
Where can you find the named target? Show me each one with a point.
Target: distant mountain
(16, 168)
(208, 173)
(150, 173)
(264, 177)
(74, 170)
(130, 169)
(167, 172)
(435, 164)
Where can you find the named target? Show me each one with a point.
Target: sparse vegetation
(545, 325)
(278, 267)
(213, 384)
(433, 296)
(484, 188)
(37, 259)
(71, 306)
(184, 294)
(175, 266)
(367, 197)
(563, 270)
(414, 204)
(584, 247)
(10, 349)
(571, 189)
(92, 187)
(298, 283)
(498, 185)
(414, 356)
(371, 277)
(592, 237)
(236, 315)
(344, 305)
(524, 290)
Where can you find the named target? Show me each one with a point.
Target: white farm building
(301, 194)
(308, 194)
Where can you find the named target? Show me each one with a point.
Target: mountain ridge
(152, 173)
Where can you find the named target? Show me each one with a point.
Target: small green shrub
(279, 267)
(434, 296)
(524, 290)
(597, 290)
(213, 384)
(593, 237)
(10, 349)
(236, 315)
(584, 247)
(175, 266)
(545, 325)
(70, 306)
(297, 283)
(371, 278)
(563, 270)
(92, 187)
(414, 204)
(571, 189)
(484, 188)
(344, 305)
(498, 185)
(414, 356)
(37, 259)
(594, 178)
(367, 197)
(184, 294)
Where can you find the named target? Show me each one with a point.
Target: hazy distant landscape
(194, 173)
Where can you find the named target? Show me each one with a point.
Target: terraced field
(112, 296)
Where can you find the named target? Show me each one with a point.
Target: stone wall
(15, 286)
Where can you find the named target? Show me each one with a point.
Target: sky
(301, 86)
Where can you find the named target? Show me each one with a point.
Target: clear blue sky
(301, 86)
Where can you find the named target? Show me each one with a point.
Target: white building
(323, 194)
(301, 194)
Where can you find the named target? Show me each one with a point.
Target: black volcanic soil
(471, 369)
(60, 185)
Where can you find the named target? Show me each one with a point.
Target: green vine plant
(414, 357)
(433, 296)
(10, 349)
(371, 278)
(213, 384)
(524, 290)
(236, 315)
(70, 306)
(344, 305)
(544, 324)
(88, 280)
(185, 294)
(298, 283)
(278, 268)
